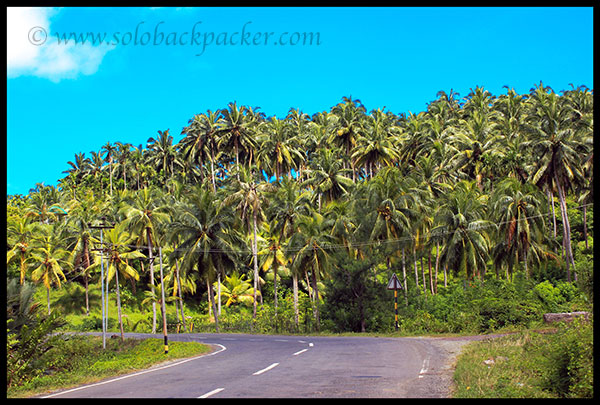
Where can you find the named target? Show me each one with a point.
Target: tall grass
(529, 365)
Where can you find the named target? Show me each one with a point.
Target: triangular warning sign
(394, 283)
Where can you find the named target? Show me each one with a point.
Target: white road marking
(266, 369)
(139, 373)
(213, 392)
(301, 351)
(424, 368)
(310, 345)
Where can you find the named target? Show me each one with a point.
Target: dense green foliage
(529, 365)
(482, 206)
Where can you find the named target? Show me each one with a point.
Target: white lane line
(266, 369)
(140, 373)
(213, 392)
(424, 368)
(301, 351)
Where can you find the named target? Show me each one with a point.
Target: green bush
(569, 371)
(26, 345)
(423, 322)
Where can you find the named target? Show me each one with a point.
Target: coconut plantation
(241, 221)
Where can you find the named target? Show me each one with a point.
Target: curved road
(255, 366)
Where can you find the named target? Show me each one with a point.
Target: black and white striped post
(394, 284)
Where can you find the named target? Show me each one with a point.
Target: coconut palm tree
(249, 197)
(96, 171)
(123, 155)
(50, 257)
(312, 244)
(557, 148)
(237, 128)
(207, 241)
(79, 168)
(118, 242)
(462, 222)
(82, 213)
(237, 290)
(300, 128)
(19, 232)
(326, 177)
(109, 150)
(375, 145)
(516, 209)
(272, 254)
(144, 212)
(348, 126)
(200, 141)
(278, 147)
(162, 154)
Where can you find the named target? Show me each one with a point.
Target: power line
(337, 245)
(355, 244)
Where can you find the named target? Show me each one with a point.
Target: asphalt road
(265, 366)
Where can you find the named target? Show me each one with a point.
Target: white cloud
(29, 25)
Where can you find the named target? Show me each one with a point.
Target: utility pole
(102, 250)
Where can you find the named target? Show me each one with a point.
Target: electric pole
(102, 251)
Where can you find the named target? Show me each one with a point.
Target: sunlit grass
(81, 360)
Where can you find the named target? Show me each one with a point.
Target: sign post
(394, 284)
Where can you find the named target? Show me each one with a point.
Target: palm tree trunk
(437, 263)
(276, 265)
(119, 303)
(151, 260)
(430, 274)
(585, 225)
(255, 260)
(445, 275)
(212, 171)
(237, 160)
(296, 309)
(404, 277)
(211, 300)
(416, 271)
(48, 298)
(219, 292)
(180, 294)
(163, 308)
(551, 212)
(85, 278)
(315, 299)
(111, 173)
(566, 228)
(424, 279)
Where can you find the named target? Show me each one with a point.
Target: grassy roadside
(529, 365)
(78, 359)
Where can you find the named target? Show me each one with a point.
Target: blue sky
(64, 99)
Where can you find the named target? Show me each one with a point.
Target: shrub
(26, 345)
(569, 371)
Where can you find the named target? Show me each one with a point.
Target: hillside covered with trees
(482, 205)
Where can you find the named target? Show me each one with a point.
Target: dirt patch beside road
(438, 383)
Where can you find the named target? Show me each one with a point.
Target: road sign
(394, 283)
